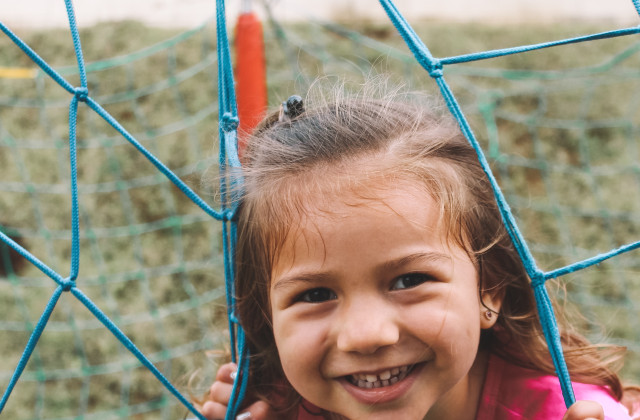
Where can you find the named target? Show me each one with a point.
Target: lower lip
(383, 394)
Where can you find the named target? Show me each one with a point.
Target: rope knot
(229, 122)
(234, 318)
(81, 93)
(67, 284)
(538, 279)
(229, 215)
(435, 69)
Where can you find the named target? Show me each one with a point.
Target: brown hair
(410, 139)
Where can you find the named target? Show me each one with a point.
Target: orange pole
(251, 85)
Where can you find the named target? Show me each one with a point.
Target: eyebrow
(422, 257)
(387, 266)
(308, 278)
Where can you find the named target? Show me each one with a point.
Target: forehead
(333, 191)
(372, 199)
(348, 216)
(336, 186)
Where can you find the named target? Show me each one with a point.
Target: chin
(399, 413)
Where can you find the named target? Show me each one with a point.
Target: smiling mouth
(381, 379)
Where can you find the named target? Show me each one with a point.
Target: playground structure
(558, 165)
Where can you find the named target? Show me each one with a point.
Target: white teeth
(386, 378)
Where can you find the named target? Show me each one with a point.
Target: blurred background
(188, 13)
(559, 126)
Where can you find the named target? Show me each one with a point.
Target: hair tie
(291, 108)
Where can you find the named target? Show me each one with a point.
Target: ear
(490, 306)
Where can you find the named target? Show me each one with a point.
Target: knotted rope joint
(229, 215)
(538, 279)
(82, 93)
(234, 318)
(68, 284)
(435, 68)
(229, 122)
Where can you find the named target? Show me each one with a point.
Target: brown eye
(408, 281)
(318, 295)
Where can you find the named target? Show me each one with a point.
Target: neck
(461, 402)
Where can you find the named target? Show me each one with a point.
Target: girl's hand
(220, 394)
(584, 410)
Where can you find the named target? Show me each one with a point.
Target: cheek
(450, 326)
(300, 345)
(303, 349)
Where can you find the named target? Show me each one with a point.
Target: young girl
(375, 279)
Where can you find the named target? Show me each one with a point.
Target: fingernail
(233, 375)
(243, 416)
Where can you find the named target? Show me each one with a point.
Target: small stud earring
(488, 314)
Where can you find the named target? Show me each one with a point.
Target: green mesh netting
(560, 126)
(151, 259)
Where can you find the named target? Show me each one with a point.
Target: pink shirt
(512, 392)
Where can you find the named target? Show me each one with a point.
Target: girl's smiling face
(376, 314)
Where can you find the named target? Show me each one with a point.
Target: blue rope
(31, 345)
(242, 378)
(224, 127)
(81, 94)
(32, 259)
(38, 60)
(129, 345)
(550, 331)
(75, 224)
(231, 184)
(507, 216)
(229, 287)
(230, 187)
(590, 261)
(229, 125)
(76, 43)
(543, 302)
(515, 50)
(226, 89)
(434, 68)
(420, 51)
(157, 163)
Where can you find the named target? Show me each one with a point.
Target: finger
(220, 392)
(226, 373)
(585, 410)
(257, 411)
(261, 410)
(213, 410)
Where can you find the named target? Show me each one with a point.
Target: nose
(367, 326)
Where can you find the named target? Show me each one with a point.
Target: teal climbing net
(561, 140)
